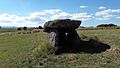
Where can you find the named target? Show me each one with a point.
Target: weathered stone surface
(61, 24)
(56, 38)
(73, 38)
(62, 32)
(53, 38)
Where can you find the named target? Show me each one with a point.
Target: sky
(33, 13)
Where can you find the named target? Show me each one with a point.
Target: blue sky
(36, 12)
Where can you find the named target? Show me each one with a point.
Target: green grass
(25, 51)
(3, 30)
(110, 37)
(16, 49)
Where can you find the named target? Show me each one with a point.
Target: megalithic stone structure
(61, 32)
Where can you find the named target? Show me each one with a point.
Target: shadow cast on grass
(91, 46)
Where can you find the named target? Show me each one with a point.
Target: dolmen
(61, 32)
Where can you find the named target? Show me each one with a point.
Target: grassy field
(25, 51)
(3, 30)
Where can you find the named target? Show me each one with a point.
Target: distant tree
(111, 25)
(102, 25)
(0, 27)
(19, 29)
(39, 27)
(106, 25)
(25, 28)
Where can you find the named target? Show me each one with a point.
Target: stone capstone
(61, 24)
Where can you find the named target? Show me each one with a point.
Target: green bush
(19, 29)
(25, 28)
(40, 27)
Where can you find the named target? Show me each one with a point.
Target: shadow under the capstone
(92, 46)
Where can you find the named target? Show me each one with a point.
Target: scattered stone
(114, 50)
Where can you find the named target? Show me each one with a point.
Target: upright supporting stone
(62, 38)
(53, 38)
(73, 38)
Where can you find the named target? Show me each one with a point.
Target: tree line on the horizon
(25, 28)
(106, 25)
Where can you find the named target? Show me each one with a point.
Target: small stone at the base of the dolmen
(62, 32)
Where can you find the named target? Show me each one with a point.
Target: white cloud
(83, 6)
(106, 17)
(66, 15)
(38, 14)
(102, 8)
(102, 13)
(39, 18)
(6, 17)
(53, 11)
(81, 16)
(107, 14)
(62, 15)
(14, 20)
